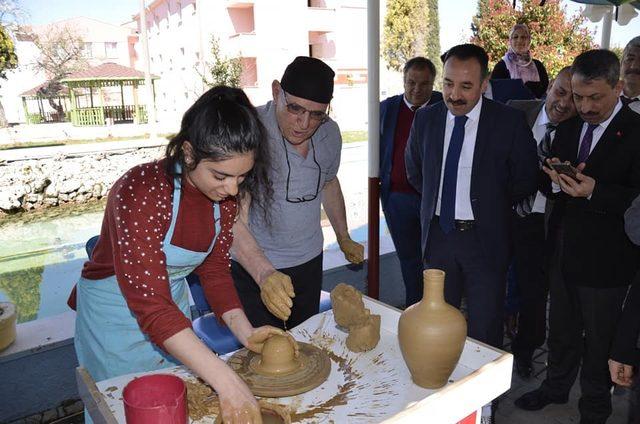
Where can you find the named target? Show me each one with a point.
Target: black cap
(309, 78)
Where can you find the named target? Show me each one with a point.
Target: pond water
(41, 255)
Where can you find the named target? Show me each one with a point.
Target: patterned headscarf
(520, 65)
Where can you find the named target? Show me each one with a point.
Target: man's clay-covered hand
(276, 292)
(353, 252)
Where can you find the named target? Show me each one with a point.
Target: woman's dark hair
(219, 125)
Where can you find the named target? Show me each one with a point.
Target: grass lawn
(351, 136)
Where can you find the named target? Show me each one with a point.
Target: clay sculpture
(349, 313)
(348, 307)
(432, 334)
(364, 335)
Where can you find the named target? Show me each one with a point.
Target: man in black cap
(277, 258)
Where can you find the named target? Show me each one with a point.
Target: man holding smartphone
(530, 262)
(593, 260)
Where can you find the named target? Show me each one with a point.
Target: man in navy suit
(400, 201)
(471, 159)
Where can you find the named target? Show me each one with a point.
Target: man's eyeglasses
(306, 197)
(296, 109)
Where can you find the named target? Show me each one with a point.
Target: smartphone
(566, 169)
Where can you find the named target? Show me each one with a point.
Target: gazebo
(36, 96)
(94, 95)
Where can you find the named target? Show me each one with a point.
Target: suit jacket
(504, 171)
(388, 119)
(531, 109)
(597, 252)
(626, 344)
(632, 221)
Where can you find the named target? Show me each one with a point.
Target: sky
(455, 15)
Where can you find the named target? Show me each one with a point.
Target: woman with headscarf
(517, 63)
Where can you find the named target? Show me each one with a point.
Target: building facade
(266, 35)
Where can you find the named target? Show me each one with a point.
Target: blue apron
(108, 339)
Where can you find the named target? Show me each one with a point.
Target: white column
(606, 28)
(151, 101)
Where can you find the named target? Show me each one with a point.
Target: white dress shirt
(600, 129)
(463, 183)
(539, 128)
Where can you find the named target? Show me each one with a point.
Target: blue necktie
(450, 177)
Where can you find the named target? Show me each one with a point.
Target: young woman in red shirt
(164, 220)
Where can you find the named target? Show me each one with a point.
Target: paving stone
(49, 415)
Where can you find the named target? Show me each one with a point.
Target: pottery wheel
(314, 370)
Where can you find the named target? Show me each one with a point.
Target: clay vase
(432, 334)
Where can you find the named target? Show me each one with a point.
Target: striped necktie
(525, 206)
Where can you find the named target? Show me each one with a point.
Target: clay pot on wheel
(432, 334)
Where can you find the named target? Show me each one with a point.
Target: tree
(411, 28)
(11, 14)
(223, 70)
(432, 50)
(556, 39)
(61, 54)
(8, 61)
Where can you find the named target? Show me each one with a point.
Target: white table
(373, 386)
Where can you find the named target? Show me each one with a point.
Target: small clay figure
(348, 307)
(364, 336)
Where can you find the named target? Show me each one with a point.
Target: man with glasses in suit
(277, 255)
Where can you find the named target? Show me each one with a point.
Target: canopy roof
(36, 91)
(107, 72)
(634, 3)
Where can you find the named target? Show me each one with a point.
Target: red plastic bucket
(155, 399)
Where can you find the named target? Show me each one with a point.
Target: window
(111, 50)
(87, 49)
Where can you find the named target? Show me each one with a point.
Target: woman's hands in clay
(276, 292)
(237, 403)
(260, 335)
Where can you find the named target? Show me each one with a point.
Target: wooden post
(26, 110)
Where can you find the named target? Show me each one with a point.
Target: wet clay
(364, 335)
(350, 313)
(348, 307)
(314, 368)
(272, 413)
(278, 357)
(432, 334)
